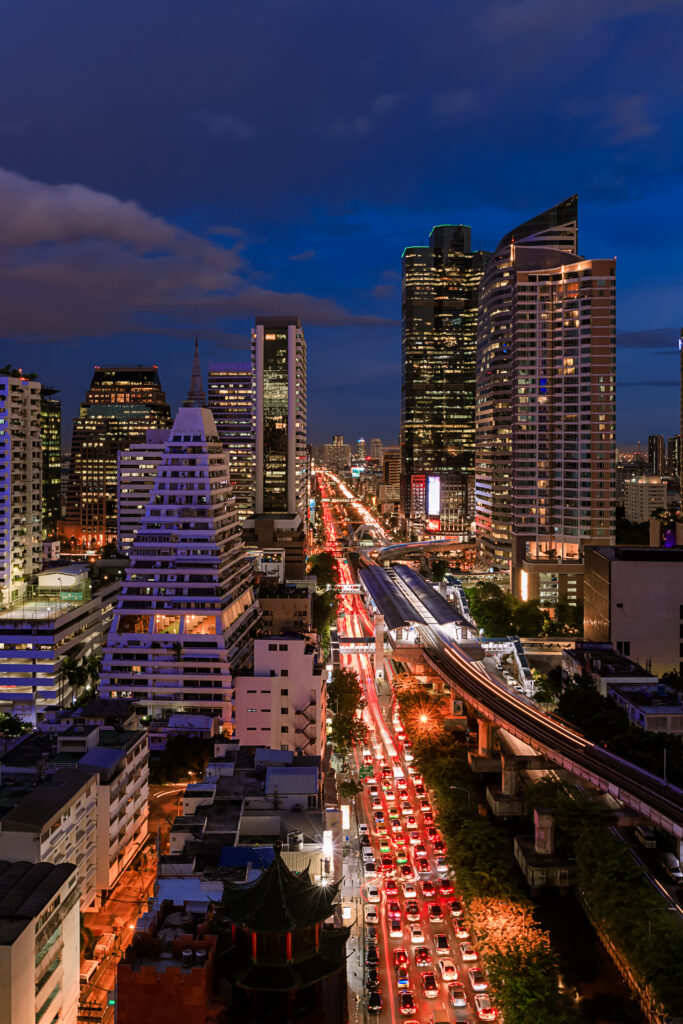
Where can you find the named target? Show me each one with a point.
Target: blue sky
(161, 157)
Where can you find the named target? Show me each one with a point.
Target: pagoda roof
(237, 966)
(279, 900)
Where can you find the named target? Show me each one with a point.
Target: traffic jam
(414, 921)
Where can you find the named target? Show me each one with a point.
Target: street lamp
(467, 794)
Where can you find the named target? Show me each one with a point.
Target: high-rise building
(338, 439)
(656, 455)
(21, 492)
(137, 468)
(643, 496)
(335, 456)
(51, 436)
(440, 286)
(360, 448)
(545, 406)
(376, 450)
(187, 608)
(231, 400)
(391, 465)
(121, 404)
(673, 456)
(279, 361)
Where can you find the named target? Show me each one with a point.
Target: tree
(325, 568)
(12, 726)
(349, 788)
(440, 568)
(184, 757)
(491, 608)
(345, 700)
(110, 550)
(74, 672)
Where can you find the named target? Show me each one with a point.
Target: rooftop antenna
(195, 396)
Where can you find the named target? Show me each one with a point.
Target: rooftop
(603, 659)
(38, 807)
(641, 554)
(25, 890)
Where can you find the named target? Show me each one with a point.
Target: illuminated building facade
(122, 403)
(21, 491)
(546, 407)
(440, 287)
(187, 608)
(137, 470)
(656, 455)
(51, 437)
(231, 400)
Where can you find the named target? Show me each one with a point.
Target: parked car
(375, 1003)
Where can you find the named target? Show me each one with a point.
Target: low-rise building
(633, 600)
(55, 822)
(276, 532)
(652, 708)
(161, 730)
(283, 702)
(62, 622)
(285, 608)
(602, 666)
(39, 943)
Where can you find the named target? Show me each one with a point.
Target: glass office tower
(231, 400)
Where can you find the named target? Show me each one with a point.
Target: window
(285, 672)
(284, 693)
(284, 711)
(284, 728)
(272, 647)
(284, 647)
(620, 604)
(251, 710)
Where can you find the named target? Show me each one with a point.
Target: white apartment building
(136, 470)
(39, 943)
(21, 484)
(283, 704)
(187, 608)
(60, 618)
(56, 822)
(642, 496)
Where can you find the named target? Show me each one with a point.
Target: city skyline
(304, 206)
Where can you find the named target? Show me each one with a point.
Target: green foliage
(185, 757)
(524, 978)
(439, 569)
(628, 532)
(602, 721)
(12, 726)
(349, 788)
(344, 701)
(324, 613)
(549, 686)
(500, 614)
(110, 550)
(325, 568)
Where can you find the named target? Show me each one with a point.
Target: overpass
(418, 547)
(495, 705)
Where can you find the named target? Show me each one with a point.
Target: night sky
(277, 156)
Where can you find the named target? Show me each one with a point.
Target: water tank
(200, 957)
(186, 957)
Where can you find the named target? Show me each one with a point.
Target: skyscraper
(545, 406)
(21, 488)
(51, 437)
(121, 404)
(440, 285)
(377, 450)
(137, 470)
(656, 455)
(279, 361)
(187, 608)
(231, 400)
(673, 456)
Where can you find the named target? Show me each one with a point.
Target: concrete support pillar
(510, 781)
(379, 646)
(544, 832)
(485, 745)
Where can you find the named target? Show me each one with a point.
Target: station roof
(435, 604)
(390, 602)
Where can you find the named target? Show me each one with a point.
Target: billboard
(433, 497)
(311, 511)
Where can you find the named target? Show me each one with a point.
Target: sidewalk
(353, 907)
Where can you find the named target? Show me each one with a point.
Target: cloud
(79, 263)
(360, 126)
(226, 230)
(302, 257)
(627, 119)
(457, 105)
(225, 126)
(664, 338)
(388, 286)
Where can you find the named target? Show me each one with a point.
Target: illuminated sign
(433, 524)
(346, 816)
(311, 510)
(327, 843)
(433, 496)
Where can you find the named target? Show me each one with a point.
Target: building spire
(195, 396)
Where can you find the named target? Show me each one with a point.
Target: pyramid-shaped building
(187, 610)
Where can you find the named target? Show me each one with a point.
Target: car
(429, 985)
(387, 865)
(391, 811)
(412, 770)
(420, 850)
(406, 1003)
(441, 944)
(427, 818)
(444, 887)
(414, 838)
(425, 807)
(439, 849)
(372, 894)
(395, 928)
(460, 928)
(375, 1002)
(477, 979)
(423, 866)
(367, 853)
(419, 788)
(400, 957)
(367, 760)
(435, 913)
(367, 752)
(394, 909)
(390, 888)
(401, 855)
(381, 829)
(406, 872)
(372, 954)
(411, 821)
(406, 808)
(363, 829)
(395, 824)
(447, 969)
(456, 994)
(384, 844)
(432, 833)
(423, 957)
(371, 934)
(408, 754)
(442, 865)
(372, 789)
(365, 842)
(456, 908)
(372, 979)
(417, 936)
(409, 890)
(412, 911)
(370, 914)
(468, 952)
(485, 1008)
(402, 785)
(378, 817)
(428, 889)
(376, 804)
(402, 977)
(387, 786)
